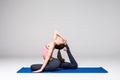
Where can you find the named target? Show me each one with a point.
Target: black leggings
(52, 65)
(55, 63)
(69, 65)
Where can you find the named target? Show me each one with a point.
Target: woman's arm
(57, 34)
(47, 58)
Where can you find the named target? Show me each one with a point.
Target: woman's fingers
(65, 42)
(65, 49)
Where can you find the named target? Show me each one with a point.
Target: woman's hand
(65, 42)
(37, 71)
(65, 49)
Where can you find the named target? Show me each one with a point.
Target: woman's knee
(35, 67)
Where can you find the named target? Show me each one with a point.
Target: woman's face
(59, 41)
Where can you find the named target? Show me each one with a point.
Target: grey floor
(9, 67)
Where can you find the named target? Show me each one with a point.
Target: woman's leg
(52, 65)
(69, 65)
(35, 67)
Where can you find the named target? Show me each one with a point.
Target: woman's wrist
(38, 70)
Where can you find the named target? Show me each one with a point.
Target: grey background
(92, 27)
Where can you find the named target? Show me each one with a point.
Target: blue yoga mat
(78, 70)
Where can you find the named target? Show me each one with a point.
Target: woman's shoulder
(50, 44)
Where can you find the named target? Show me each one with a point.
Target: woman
(51, 63)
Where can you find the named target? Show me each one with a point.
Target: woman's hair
(61, 46)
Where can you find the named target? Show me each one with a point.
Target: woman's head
(59, 43)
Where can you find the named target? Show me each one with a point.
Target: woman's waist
(49, 59)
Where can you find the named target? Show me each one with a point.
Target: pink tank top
(45, 51)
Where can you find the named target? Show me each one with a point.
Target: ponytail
(60, 57)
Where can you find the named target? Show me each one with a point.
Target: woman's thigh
(53, 65)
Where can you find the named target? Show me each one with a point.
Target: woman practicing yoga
(50, 63)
